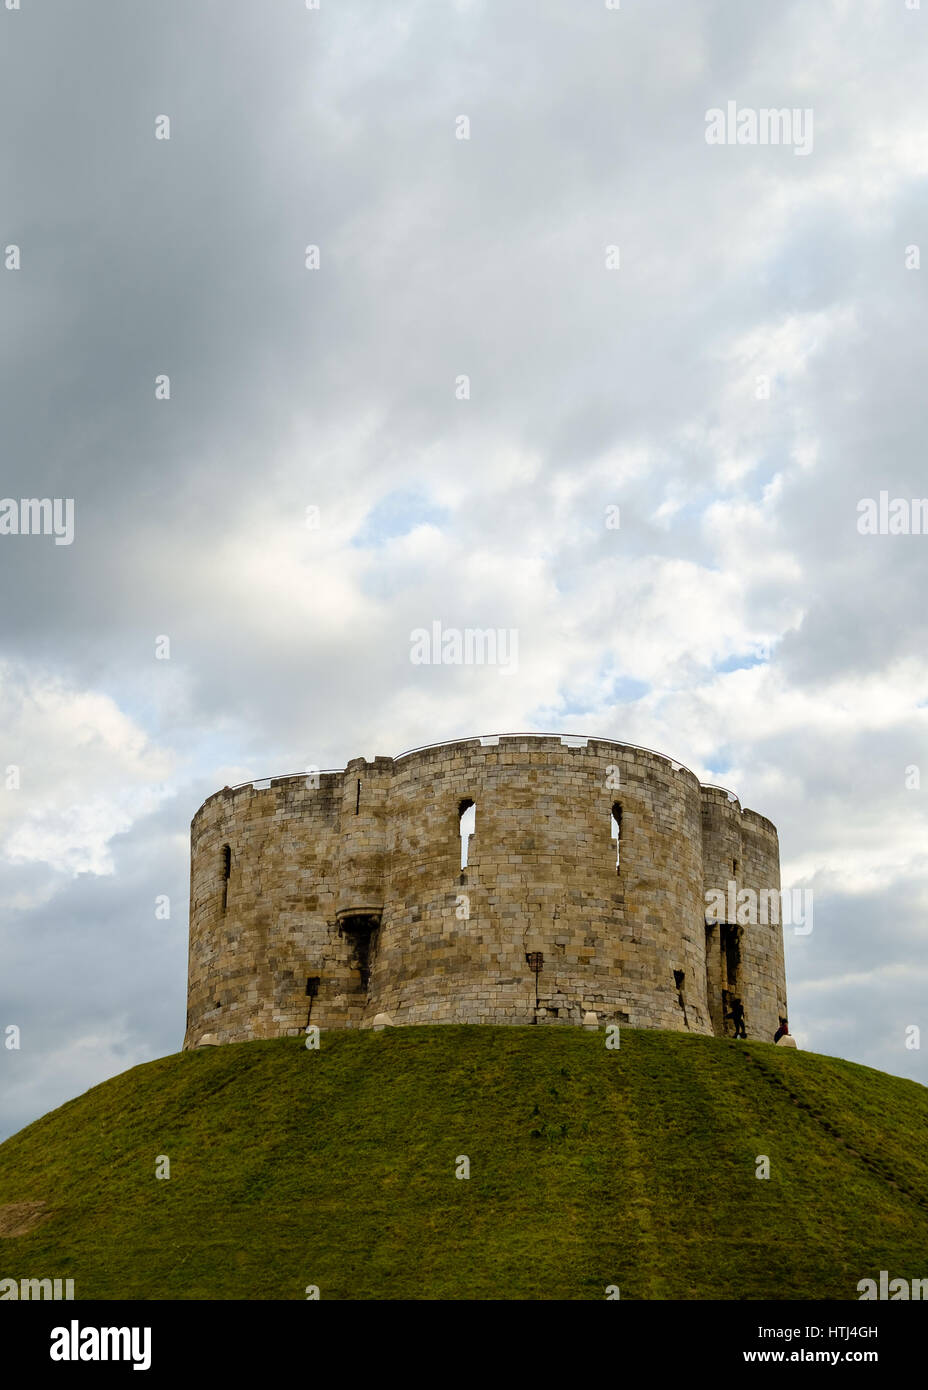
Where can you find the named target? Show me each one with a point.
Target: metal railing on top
(488, 740)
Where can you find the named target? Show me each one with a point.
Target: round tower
(525, 879)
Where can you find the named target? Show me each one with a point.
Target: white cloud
(85, 770)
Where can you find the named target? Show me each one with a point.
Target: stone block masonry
(336, 902)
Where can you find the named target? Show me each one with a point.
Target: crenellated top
(512, 742)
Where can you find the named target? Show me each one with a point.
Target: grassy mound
(336, 1168)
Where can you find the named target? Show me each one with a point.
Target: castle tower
(334, 898)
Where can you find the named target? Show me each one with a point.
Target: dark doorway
(360, 932)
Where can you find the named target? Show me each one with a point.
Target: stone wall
(744, 958)
(346, 899)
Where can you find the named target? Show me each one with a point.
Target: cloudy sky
(582, 306)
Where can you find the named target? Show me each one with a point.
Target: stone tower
(329, 899)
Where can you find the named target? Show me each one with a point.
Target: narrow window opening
(616, 832)
(226, 873)
(467, 824)
(734, 868)
(357, 802)
(678, 978)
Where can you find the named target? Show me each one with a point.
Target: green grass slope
(336, 1168)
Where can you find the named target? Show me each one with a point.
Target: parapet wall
(342, 896)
